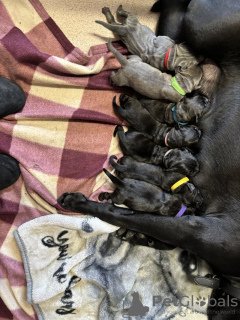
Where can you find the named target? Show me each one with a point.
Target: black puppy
(127, 167)
(212, 28)
(189, 109)
(140, 148)
(143, 196)
(173, 137)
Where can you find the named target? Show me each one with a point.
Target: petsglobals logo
(134, 307)
(191, 301)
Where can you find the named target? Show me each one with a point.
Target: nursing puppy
(140, 40)
(173, 137)
(127, 167)
(140, 148)
(189, 109)
(140, 195)
(150, 81)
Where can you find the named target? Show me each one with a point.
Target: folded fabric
(77, 269)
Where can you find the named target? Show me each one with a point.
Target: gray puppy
(144, 78)
(150, 81)
(160, 52)
(140, 40)
(173, 137)
(140, 148)
(142, 196)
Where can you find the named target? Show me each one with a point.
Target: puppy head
(183, 136)
(190, 109)
(182, 161)
(191, 196)
(172, 207)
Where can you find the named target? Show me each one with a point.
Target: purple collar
(181, 211)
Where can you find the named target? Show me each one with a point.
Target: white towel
(77, 269)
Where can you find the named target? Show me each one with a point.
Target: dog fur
(142, 196)
(189, 109)
(127, 167)
(140, 148)
(176, 136)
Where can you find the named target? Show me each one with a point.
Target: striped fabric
(63, 136)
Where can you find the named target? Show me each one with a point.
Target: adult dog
(212, 28)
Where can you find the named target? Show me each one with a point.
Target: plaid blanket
(62, 138)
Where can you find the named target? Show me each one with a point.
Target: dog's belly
(219, 151)
(212, 26)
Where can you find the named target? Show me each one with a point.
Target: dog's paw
(112, 83)
(134, 238)
(70, 200)
(105, 10)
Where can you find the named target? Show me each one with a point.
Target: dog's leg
(192, 233)
(171, 19)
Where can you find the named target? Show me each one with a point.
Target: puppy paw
(103, 196)
(105, 10)
(112, 83)
(71, 200)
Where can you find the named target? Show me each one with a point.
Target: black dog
(173, 137)
(127, 167)
(143, 196)
(214, 236)
(189, 109)
(140, 148)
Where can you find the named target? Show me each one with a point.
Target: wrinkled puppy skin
(143, 78)
(151, 128)
(179, 136)
(189, 109)
(140, 148)
(127, 167)
(142, 41)
(181, 161)
(142, 196)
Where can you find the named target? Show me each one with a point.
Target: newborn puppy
(141, 120)
(189, 109)
(146, 79)
(140, 40)
(136, 145)
(160, 52)
(143, 196)
(126, 167)
(140, 148)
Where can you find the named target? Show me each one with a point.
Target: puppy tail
(120, 58)
(114, 179)
(114, 164)
(116, 28)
